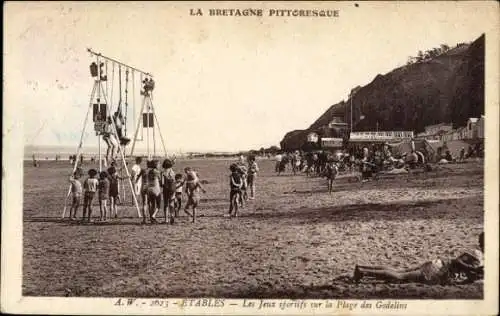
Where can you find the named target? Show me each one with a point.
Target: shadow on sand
(401, 211)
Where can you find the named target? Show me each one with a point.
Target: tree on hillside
(444, 48)
(273, 149)
(420, 56)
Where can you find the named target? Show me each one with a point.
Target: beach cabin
(480, 127)
(471, 128)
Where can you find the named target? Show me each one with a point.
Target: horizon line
(171, 150)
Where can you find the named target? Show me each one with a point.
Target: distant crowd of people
(366, 159)
(476, 151)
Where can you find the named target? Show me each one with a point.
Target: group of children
(104, 184)
(151, 185)
(241, 179)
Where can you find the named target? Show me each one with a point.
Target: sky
(222, 83)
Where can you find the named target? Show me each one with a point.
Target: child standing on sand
(235, 184)
(103, 195)
(331, 172)
(143, 180)
(193, 187)
(114, 193)
(168, 183)
(76, 194)
(179, 184)
(153, 190)
(90, 188)
(253, 168)
(136, 179)
(243, 171)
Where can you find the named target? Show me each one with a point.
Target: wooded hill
(441, 86)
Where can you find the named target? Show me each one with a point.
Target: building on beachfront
(435, 132)
(473, 130)
(460, 133)
(448, 136)
(380, 137)
(480, 127)
(332, 143)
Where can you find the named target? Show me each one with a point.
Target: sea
(47, 152)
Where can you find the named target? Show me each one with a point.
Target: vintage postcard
(270, 158)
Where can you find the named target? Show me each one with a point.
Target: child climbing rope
(111, 141)
(120, 124)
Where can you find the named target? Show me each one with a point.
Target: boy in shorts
(103, 195)
(90, 188)
(76, 194)
(168, 184)
(114, 192)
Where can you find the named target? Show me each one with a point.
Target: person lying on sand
(466, 268)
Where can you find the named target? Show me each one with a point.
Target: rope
(112, 84)
(126, 100)
(122, 156)
(161, 137)
(107, 83)
(120, 88)
(133, 96)
(99, 102)
(154, 138)
(78, 149)
(142, 128)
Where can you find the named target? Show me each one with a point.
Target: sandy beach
(294, 240)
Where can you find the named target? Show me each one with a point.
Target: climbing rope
(112, 84)
(126, 100)
(107, 83)
(119, 110)
(141, 115)
(133, 95)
